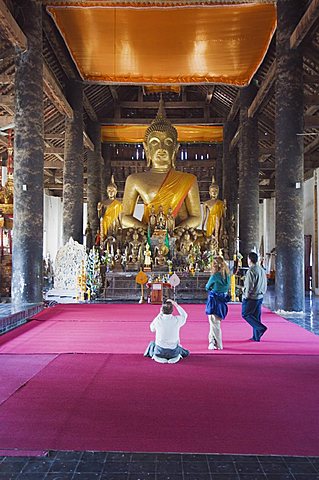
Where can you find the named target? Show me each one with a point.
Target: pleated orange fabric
(185, 133)
(168, 44)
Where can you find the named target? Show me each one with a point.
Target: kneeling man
(167, 348)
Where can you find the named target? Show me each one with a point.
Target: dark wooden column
(289, 162)
(94, 175)
(219, 168)
(248, 190)
(27, 252)
(106, 169)
(73, 166)
(230, 186)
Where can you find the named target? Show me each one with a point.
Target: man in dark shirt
(255, 287)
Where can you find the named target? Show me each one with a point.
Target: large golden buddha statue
(162, 185)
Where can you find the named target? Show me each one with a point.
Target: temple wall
(52, 239)
(309, 226)
(53, 219)
(261, 225)
(269, 224)
(309, 207)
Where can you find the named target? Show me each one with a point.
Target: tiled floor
(148, 466)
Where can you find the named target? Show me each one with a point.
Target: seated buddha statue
(214, 213)
(109, 212)
(161, 219)
(162, 184)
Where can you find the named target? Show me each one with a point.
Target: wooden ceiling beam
(89, 109)
(88, 142)
(307, 21)
(10, 29)
(176, 121)
(53, 164)
(311, 79)
(114, 93)
(263, 91)
(7, 101)
(6, 121)
(3, 141)
(65, 62)
(168, 105)
(53, 186)
(54, 136)
(235, 140)
(263, 195)
(54, 93)
(312, 100)
(234, 109)
(6, 79)
(210, 94)
(53, 151)
(311, 121)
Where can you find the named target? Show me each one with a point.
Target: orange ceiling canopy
(166, 43)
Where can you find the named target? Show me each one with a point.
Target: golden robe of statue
(214, 213)
(109, 212)
(162, 185)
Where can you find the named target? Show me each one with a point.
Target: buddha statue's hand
(128, 221)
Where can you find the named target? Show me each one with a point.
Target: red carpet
(125, 329)
(112, 398)
(253, 405)
(16, 370)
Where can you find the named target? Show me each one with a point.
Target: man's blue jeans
(251, 312)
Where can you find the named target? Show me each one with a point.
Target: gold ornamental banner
(172, 44)
(185, 133)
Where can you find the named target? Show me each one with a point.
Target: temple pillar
(27, 261)
(94, 176)
(290, 289)
(219, 169)
(73, 166)
(230, 186)
(248, 190)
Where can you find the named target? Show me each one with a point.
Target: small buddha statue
(161, 250)
(162, 184)
(186, 243)
(161, 219)
(88, 237)
(134, 247)
(152, 220)
(214, 213)
(109, 213)
(8, 191)
(124, 260)
(147, 257)
(170, 221)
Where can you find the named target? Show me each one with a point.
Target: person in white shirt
(167, 348)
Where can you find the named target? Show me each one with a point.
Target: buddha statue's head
(111, 189)
(160, 142)
(213, 189)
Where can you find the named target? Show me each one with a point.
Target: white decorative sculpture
(68, 263)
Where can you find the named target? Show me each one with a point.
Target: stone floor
(309, 320)
(148, 466)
